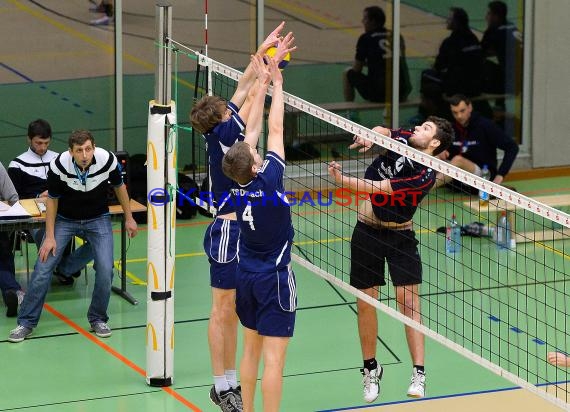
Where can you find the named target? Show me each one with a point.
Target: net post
(162, 179)
(163, 74)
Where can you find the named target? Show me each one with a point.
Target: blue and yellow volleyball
(283, 63)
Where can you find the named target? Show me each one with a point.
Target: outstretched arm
(558, 359)
(357, 184)
(248, 77)
(277, 111)
(364, 145)
(253, 129)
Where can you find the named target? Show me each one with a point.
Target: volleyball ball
(283, 63)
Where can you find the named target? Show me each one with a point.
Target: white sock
(221, 384)
(231, 377)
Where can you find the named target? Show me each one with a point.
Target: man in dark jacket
(476, 141)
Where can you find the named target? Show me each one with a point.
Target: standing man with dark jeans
(29, 173)
(78, 182)
(384, 235)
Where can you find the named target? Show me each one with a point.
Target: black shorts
(371, 248)
(366, 88)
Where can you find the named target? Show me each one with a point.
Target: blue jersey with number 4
(264, 217)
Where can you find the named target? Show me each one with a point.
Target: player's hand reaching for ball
(276, 76)
(271, 39)
(285, 47)
(261, 69)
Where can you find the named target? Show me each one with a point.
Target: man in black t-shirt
(78, 182)
(384, 235)
(374, 50)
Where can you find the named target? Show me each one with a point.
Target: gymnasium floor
(60, 68)
(64, 368)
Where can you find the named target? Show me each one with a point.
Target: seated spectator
(29, 172)
(457, 68)
(11, 291)
(374, 50)
(476, 141)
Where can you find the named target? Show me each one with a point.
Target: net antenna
(162, 148)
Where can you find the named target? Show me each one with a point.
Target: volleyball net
(503, 305)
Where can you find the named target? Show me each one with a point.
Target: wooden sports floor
(54, 65)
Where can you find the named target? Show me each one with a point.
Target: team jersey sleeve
(272, 171)
(54, 182)
(400, 134)
(232, 130)
(115, 175)
(421, 179)
(361, 49)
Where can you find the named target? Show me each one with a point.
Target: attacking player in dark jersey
(222, 124)
(384, 234)
(266, 297)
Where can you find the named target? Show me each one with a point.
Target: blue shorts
(266, 302)
(220, 245)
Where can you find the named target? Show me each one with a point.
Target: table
(37, 219)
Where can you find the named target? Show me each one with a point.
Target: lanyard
(81, 176)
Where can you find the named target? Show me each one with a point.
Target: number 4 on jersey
(247, 216)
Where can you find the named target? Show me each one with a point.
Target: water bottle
(484, 196)
(453, 236)
(503, 231)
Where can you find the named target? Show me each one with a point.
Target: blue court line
(54, 93)
(517, 330)
(454, 395)
(16, 72)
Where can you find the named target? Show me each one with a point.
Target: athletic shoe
(228, 401)
(19, 334)
(101, 329)
(371, 383)
(101, 21)
(11, 300)
(62, 279)
(417, 388)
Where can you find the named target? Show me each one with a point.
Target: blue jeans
(7, 269)
(71, 263)
(99, 234)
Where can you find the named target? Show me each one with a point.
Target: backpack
(185, 208)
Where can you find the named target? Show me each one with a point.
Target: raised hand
(335, 170)
(276, 76)
(261, 69)
(285, 46)
(558, 359)
(271, 39)
(360, 143)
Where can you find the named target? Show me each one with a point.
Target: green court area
(468, 298)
